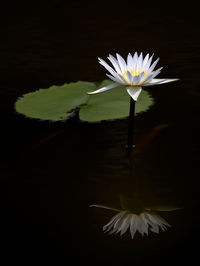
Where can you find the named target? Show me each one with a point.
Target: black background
(44, 211)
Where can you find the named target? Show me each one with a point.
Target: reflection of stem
(134, 178)
(130, 141)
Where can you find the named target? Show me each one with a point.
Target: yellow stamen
(133, 73)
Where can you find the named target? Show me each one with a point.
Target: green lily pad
(112, 104)
(58, 103)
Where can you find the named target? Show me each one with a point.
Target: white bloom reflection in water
(134, 74)
(125, 220)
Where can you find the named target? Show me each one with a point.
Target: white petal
(118, 222)
(160, 221)
(135, 58)
(133, 225)
(129, 62)
(129, 77)
(145, 228)
(115, 79)
(110, 224)
(157, 221)
(146, 79)
(115, 63)
(153, 65)
(154, 227)
(137, 79)
(146, 67)
(139, 63)
(118, 78)
(156, 72)
(145, 60)
(134, 92)
(109, 87)
(114, 74)
(121, 62)
(105, 207)
(125, 225)
(140, 77)
(110, 69)
(123, 221)
(146, 218)
(161, 81)
(123, 79)
(142, 226)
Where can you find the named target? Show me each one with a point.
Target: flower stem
(130, 142)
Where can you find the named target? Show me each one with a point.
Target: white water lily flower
(143, 222)
(134, 74)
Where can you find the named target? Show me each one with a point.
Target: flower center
(133, 73)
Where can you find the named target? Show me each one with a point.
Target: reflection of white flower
(134, 74)
(143, 222)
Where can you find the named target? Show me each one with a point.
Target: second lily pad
(112, 104)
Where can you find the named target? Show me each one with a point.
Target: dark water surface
(52, 172)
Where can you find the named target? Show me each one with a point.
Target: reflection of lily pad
(58, 103)
(136, 205)
(165, 208)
